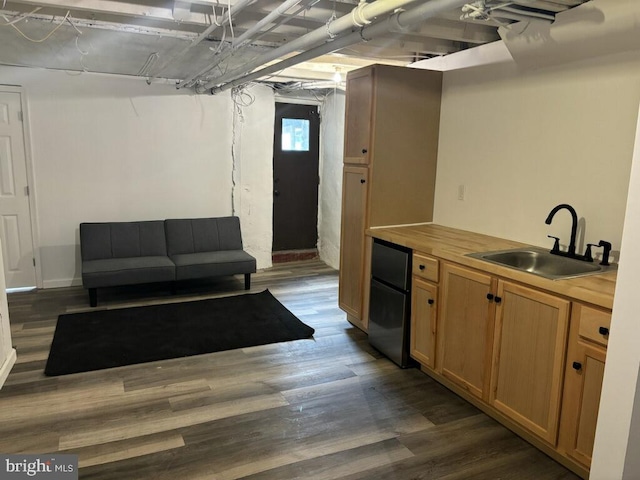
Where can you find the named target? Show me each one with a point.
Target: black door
(295, 177)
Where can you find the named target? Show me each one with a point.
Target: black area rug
(112, 338)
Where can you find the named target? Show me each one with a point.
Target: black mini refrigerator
(390, 301)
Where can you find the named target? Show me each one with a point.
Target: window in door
(295, 135)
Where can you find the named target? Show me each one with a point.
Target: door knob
(276, 193)
(364, 150)
(430, 301)
(603, 331)
(489, 296)
(362, 180)
(576, 365)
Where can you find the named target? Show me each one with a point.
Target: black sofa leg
(93, 297)
(247, 281)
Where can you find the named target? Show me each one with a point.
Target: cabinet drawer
(425, 267)
(594, 325)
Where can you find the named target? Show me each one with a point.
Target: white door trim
(35, 238)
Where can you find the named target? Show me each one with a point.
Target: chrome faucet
(571, 252)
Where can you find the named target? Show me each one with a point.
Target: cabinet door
(582, 385)
(528, 357)
(465, 328)
(354, 202)
(358, 116)
(423, 322)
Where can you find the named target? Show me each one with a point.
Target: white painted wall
(620, 385)
(632, 461)
(523, 142)
(253, 127)
(330, 194)
(112, 148)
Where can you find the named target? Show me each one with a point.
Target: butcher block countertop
(453, 245)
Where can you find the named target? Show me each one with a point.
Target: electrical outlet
(461, 192)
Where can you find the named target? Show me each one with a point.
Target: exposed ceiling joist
(136, 37)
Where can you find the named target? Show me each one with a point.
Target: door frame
(304, 101)
(28, 156)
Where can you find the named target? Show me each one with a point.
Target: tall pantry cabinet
(391, 146)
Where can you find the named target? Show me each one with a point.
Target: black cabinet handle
(497, 299)
(362, 180)
(603, 331)
(276, 193)
(364, 150)
(421, 267)
(489, 296)
(576, 365)
(430, 301)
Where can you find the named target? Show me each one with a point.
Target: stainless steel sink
(540, 262)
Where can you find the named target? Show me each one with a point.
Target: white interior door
(7, 352)
(15, 215)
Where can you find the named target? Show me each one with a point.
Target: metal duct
(400, 20)
(599, 27)
(360, 16)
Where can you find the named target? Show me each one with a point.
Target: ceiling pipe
(360, 16)
(400, 20)
(237, 7)
(243, 39)
(229, 52)
(281, 10)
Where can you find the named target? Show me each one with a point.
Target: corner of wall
(330, 193)
(252, 175)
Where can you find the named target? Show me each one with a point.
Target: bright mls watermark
(50, 467)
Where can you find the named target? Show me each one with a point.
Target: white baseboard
(7, 366)
(70, 282)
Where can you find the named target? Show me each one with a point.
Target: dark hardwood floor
(330, 407)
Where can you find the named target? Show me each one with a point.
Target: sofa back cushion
(122, 240)
(195, 235)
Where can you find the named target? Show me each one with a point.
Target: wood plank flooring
(330, 407)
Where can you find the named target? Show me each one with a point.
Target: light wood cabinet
(505, 344)
(529, 354)
(354, 205)
(359, 108)
(465, 328)
(584, 372)
(528, 357)
(532, 359)
(424, 297)
(395, 139)
(425, 267)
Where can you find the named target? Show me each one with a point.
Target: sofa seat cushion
(212, 264)
(109, 272)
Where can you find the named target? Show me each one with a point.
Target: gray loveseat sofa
(129, 253)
